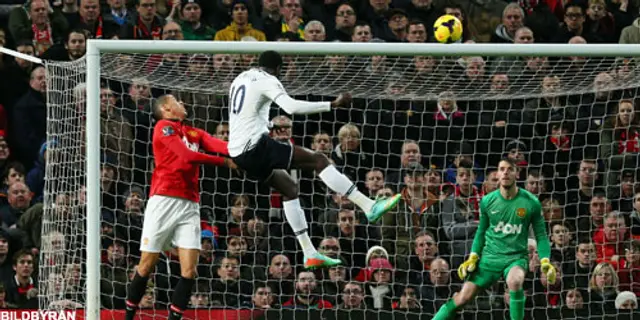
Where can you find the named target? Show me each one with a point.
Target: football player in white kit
(262, 158)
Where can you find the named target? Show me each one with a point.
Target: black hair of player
(157, 106)
(510, 161)
(270, 61)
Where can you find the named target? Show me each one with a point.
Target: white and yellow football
(447, 29)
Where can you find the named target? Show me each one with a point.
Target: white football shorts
(168, 222)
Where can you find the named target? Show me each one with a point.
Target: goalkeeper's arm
(479, 239)
(540, 232)
(544, 247)
(478, 243)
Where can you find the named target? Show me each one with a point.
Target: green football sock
(447, 311)
(516, 302)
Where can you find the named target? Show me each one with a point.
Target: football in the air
(447, 29)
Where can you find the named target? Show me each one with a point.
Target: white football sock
(339, 183)
(295, 216)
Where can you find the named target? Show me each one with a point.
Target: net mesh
(63, 221)
(554, 116)
(419, 77)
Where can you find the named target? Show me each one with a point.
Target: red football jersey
(177, 160)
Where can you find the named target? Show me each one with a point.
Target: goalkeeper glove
(468, 266)
(549, 270)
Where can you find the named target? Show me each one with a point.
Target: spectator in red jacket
(629, 272)
(609, 240)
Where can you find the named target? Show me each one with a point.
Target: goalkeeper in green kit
(500, 246)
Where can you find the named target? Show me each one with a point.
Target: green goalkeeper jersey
(503, 232)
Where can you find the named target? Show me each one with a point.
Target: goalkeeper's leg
(515, 279)
(314, 161)
(138, 285)
(182, 292)
(449, 309)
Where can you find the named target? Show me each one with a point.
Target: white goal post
(95, 48)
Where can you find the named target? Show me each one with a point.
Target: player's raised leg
(138, 285)
(287, 186)
(306, 159)
(449, 309)
(515, 279)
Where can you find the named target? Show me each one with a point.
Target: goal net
(432, 128)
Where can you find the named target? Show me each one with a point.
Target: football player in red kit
(172, 216)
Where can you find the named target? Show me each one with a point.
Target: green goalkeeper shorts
(490, 270)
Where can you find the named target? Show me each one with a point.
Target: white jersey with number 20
(250, 97)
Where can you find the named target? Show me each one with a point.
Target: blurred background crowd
(578, 152)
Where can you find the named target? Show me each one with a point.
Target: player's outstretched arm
(212, 144)
(343, 100)
(215, 145)
(293, 106)
(273, 89)
(175, 145)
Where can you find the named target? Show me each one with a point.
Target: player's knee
(515, 283)
(290, 193)
(465, 295)
(147, 264)
(462, 298)
(515, 279)
(144, 269)
(189, 273)
(291, 190)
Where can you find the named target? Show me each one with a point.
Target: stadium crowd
(578, 152)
